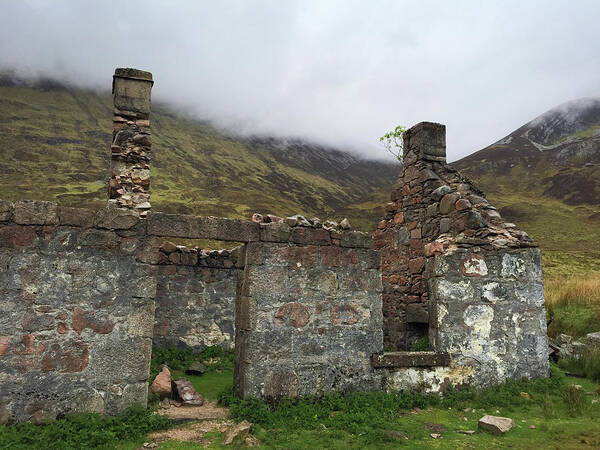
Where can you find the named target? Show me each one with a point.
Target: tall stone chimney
(425, 141)
(129, 185)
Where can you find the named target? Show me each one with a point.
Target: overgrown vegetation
(573, 305)
(587, 364)
(370, 420)
(393, 142)
(421, 345)
(214, 358)
(78, 431)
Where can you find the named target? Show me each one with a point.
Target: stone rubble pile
(285, 226)
(299, 220)
(434, 210)
(174, 392)
(171, 253)
(564, 346)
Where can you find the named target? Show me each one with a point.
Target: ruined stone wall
(453, 269)
(195, 298)
(429, 200)
(77, 311)
(309, 314)
(487, 308)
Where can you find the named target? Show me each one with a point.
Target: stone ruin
(309, 309)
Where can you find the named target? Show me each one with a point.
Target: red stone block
(416, 265)
(293, 314)
(338, 256)
(345, 314)
(462, 204)
(86, 319)
(14, 236)
(434, 248)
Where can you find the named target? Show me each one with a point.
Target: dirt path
(204, 419)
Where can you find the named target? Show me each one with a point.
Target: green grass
(576, 320)
(587, 364)
(562, 418)
(78, 431)
(59, 139)
(366, 420)
(218, 363)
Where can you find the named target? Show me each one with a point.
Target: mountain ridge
(55, 145)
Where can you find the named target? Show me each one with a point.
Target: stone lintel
(193, 227)
(409, 359)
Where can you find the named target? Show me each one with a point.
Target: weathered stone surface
(483, 315)
(496, 425)
(447, 203)
(356, 239)
(28, 212)
(275, 232)
(195, 306)
(162, 383)
(310, 236)
(77, 217)
(302, 311)
(417, 313)
(196, 368)
(410, 359)
(192, 227)
(593, 339)
(6, 210)
(64, 339)
(17, 236)
(185, 392)
(114, 218)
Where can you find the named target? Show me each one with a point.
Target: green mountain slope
(545, 177)
(54, 145)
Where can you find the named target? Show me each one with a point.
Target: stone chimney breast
(425, 141)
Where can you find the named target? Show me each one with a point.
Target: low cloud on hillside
(342, 72)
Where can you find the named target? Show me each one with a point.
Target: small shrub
(175, 358)
(216, 358)
(226, 397)
(421, 345)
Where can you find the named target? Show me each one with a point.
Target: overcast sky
(341, 72)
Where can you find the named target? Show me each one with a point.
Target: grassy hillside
(545, 176)
(54, 145)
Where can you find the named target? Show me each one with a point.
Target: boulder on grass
(162, 383)
(196, 368)
(593, 339)
(185, 392)
(496, 425)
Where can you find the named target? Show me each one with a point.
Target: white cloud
(341, 72)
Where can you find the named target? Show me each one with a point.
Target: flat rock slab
(238, 430)
(496, 425)
(185, 392)
(208, 411)
(192, 432)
